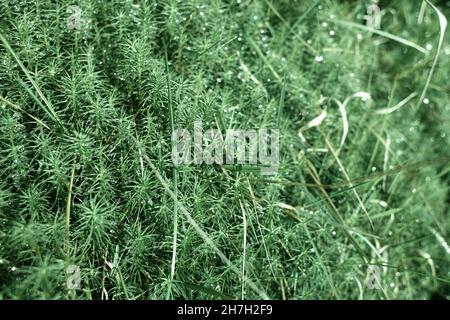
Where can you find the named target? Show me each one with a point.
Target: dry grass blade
(442, 28)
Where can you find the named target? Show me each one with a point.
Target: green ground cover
(86, 176)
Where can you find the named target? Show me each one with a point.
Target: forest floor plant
(92, 91)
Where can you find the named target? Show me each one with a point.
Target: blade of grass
(383, 34)
(68, 210)
(335, 212)
(30, 78)
(206, 290)
(244, 250)
(442, 28)
(194, 224)
(21, 110)
(263, 58)
(175, 178)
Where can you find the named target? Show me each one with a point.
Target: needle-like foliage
(88, 104)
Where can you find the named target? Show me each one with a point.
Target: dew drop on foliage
(318, 59)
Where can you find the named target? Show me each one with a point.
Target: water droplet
(426, 101)
(318, 58)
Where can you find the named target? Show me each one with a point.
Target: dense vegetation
(87, 179)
